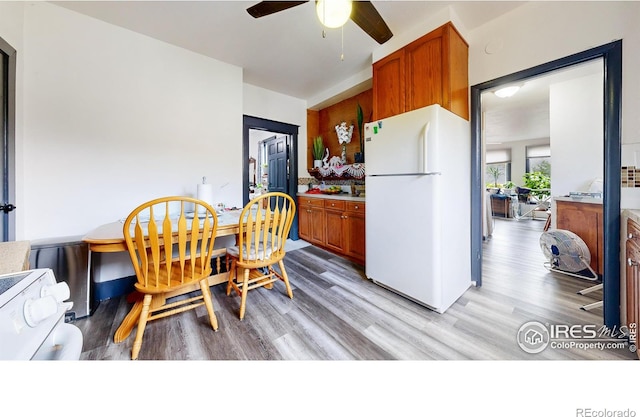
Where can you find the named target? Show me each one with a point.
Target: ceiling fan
(363, 14)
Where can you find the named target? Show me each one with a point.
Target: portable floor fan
(567, 253)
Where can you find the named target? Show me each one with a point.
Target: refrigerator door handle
(407, 174)
(425, 132)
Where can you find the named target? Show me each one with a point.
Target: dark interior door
(277, 157)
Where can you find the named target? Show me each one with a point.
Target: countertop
(633, 214)
(344, 196)
(588, 200)
(14, 256)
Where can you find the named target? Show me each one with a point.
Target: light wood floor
(336, 314)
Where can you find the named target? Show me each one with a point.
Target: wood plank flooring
(336, 314)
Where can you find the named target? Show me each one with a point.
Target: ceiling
(286, 52)
(283, 52)
(525, 115)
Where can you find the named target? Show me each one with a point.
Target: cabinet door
(388, 86)
(355, 234)
(633, 273)
(633, 284)
(311, 220)
(335, 233)
(304, 222)
(424, 73)
(317, 225)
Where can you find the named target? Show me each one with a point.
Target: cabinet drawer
(355, 206)
(313, 202)
(334, 204)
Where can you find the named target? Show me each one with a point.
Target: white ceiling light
(507, 91)
(333, 13)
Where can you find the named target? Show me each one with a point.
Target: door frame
(611, 54)
(251, 122)
(7, 137)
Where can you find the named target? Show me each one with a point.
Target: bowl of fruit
(333, 189)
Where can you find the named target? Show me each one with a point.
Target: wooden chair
(170, 248)
(263, 230)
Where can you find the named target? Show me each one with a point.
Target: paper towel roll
(205, 193)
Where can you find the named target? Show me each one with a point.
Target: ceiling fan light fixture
(333, 13)
(507, 91)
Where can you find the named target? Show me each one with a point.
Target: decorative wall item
(350, 171)
(344, 137)
(630, 176)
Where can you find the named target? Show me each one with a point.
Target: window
(498, 166)
(539, 159)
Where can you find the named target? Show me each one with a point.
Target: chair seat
(176, 281)
(261, 254)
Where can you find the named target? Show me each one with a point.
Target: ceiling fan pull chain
(342, 45)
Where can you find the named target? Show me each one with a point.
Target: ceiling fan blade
(265, 8)
(365, 15)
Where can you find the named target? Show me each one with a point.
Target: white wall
(575, 119)
(540, 32)
(113, 118)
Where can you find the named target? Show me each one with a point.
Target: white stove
(32, 311)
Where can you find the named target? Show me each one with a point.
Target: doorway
(284, 159)
(611, 55)
(7, 137)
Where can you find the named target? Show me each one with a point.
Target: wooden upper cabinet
(388, 85)
(430, 70)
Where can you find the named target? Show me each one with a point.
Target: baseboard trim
(113, 288)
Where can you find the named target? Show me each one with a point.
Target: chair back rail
(169, 249)
(264, 231)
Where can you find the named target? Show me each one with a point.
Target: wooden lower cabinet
(342, 223)
(632, 285)
(586, 221)
(311, 220)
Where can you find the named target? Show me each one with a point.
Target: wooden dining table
(109, 238)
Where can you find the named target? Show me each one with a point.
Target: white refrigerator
(418, 179)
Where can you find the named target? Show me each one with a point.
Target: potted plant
(538, 182)
(317, 151)
(508, 187)
(494, 172)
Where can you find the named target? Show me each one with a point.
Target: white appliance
(418, 180)
(32, 311)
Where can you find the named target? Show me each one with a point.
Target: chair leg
(243, 297)
(206, 295)
(285, 278)
(547, 224)
(142, 323)
(232, 275)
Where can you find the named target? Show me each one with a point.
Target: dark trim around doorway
(611, 53)
(7, 139)
(250, 122)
